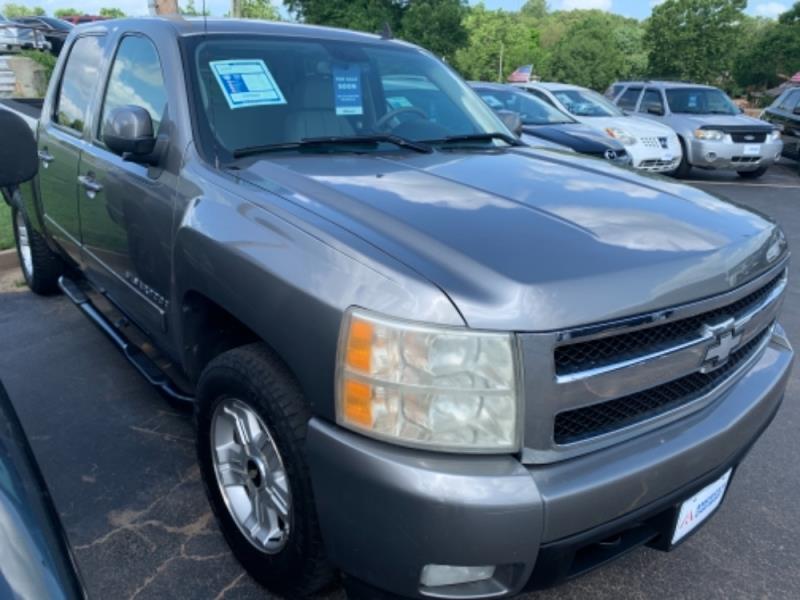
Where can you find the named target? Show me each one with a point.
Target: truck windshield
(700, 101)
(586, 103)
(275, 93)
(531, 110)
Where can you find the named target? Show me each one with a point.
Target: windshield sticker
(246, 83)
(347, 91)
(399, 102)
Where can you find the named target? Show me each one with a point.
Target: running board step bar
(146, 367)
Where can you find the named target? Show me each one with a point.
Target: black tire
(752, 174)
(255, 376)
(45, 267)
(684, 168)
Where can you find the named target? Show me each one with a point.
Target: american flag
(521, 74)
(795, 78)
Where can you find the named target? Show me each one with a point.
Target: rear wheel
(752, 174)
(251, 428)
(41, 267)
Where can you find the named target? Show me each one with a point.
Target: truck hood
(724, 121)
(531, 240)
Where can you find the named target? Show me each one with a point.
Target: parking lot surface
(120, 464)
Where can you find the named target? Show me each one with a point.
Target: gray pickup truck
(419, 352)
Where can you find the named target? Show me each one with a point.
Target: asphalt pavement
(120, 464)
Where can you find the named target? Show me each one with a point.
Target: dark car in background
(785, 113)
(540, 120)
(81, 19)
(54, 30)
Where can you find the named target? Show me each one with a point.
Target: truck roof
(191, 26)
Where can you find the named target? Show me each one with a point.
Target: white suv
(652, 147)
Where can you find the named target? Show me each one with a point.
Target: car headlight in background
(709, 135)
(623, 136)
(439, 388)
(775, 135)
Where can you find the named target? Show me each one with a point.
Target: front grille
(745, 159)
(651, 142)
(590, 421)
(601, 352)
(755, 137)
(657, 165)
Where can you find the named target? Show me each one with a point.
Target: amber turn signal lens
(357, 402)
(359, 345)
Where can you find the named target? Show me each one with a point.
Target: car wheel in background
(251, 428)
(752, 174)
(40, 265)
(684, 168)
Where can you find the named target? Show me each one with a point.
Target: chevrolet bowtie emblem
(726, 341)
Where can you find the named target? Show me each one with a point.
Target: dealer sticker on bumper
(700, 506)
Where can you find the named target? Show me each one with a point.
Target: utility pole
(500, 66)
(236, 9)
(163, 7)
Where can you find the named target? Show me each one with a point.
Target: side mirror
(128, 132)
(19, 161)
(512, 120)
(796, 110)
(655, 109)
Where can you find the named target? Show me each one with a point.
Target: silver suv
(714, 132)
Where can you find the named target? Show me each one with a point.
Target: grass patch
(6, 235)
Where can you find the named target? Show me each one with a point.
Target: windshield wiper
(478, 137)
(334, 140)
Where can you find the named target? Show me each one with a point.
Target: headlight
(711, 135)
(775, 135)
(620, 134)
(439, 388)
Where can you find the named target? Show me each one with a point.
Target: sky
(639, 9)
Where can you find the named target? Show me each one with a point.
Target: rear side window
(78, 82)
(629, 99)
(790, 101)
(652, 99)
(136, 78)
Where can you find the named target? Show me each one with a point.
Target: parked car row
(714, 133)
(16, 36)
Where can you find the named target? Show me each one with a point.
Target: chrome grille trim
(550, 393)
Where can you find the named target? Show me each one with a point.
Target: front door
(61, 142)
(126, 207)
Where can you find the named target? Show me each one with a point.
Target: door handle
(90, 184)
(45, 157)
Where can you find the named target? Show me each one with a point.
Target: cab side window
(652, 102)
(790, 101)
(78, 82)
(136, 78)
(629, 99)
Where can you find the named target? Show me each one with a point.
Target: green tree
(364, 15)
(694, 39)
(191, 10)
(596, 49)
(436, 25)
(12, 10)
(67, 12)
(769, 50)
(112, 13)
(259, 9)
(534, 9)
(498, 42)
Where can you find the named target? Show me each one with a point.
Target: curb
(8, 260)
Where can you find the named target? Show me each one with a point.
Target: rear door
(61, 141)
(126, 207)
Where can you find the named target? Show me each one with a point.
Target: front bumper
(728, 155)
(387, 511)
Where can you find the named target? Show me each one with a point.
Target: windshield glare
(586, 103)
(700, 101)
(264, 91)
(532, 111)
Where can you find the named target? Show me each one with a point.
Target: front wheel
(41, 267)
(684, 167)
(251, 428)
(752, 174)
